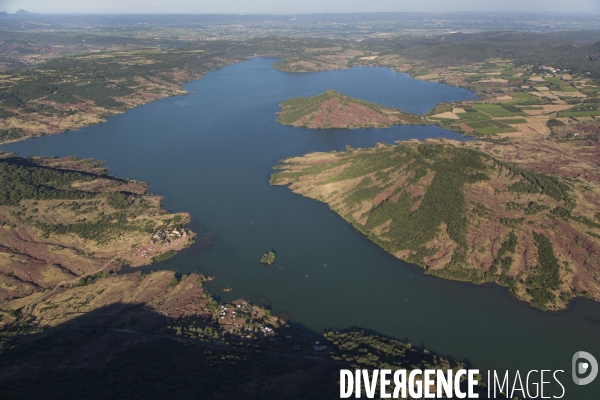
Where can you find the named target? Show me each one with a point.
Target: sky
(294, 6)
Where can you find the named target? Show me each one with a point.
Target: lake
(211, 153)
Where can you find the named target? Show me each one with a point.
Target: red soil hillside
(335, 110)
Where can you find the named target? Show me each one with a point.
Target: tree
(268, 258)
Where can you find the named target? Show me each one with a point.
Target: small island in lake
(268, 258)
(336, 110)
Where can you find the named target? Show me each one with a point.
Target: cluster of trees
(268, 258)
(18, 95)
(93, 278)
(119, 200)
(546, 275)
(163, 257)
(442, 203)
(194, 332)
(25, 179)
(10, 134)
(6, 114)
(537, 182)
(530, 208)
(363, 350)
(103, 230)
(504, 261)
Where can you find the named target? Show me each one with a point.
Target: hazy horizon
(281, 7)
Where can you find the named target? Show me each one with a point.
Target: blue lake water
(211, 154)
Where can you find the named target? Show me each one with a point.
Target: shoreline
(186, 92)
(142, 98)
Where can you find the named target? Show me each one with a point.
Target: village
(241, 322)
(247, 321)
(164, 237)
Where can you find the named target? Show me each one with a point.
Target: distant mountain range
(20, 12)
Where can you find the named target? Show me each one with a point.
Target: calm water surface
(211, 154)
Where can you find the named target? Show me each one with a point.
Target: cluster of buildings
(255, 328)
(227, 316)
(261, 331)
(223, 313)
(165, 236)
(143, 251)
(548, 68)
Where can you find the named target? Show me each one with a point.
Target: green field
(443, 107)
(496, 110)
(164, 256)
(490, 127)
(567, 88)
(513, 121)
(523, 97)
(554, 79)
(473, 116)
(590, 90)
(592, 113)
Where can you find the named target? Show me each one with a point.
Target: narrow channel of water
(211, 154)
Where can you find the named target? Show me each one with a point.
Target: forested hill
(462, 214)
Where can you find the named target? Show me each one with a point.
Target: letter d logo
(583, 367)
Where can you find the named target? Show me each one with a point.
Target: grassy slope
(461, 214)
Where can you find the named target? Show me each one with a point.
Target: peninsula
(336, 110)
(461, 213)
